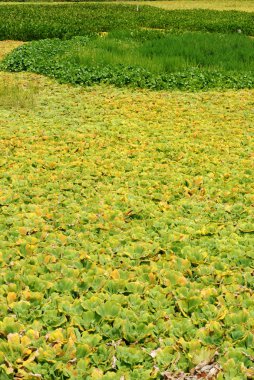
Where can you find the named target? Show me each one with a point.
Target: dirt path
(7, 46)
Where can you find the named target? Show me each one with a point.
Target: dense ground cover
(29, 22)
(148, 59)
(127, 217)
(126, 232)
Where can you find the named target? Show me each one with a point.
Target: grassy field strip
(240, 5)
(226, 5)
(124, 208)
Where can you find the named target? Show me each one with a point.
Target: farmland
(32, 22)
(127, 219)
(226, 5)
(144, 59)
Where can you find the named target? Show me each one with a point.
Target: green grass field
(126, 215)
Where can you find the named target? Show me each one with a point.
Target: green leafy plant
(113, 264)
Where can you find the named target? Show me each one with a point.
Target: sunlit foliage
(126, 233)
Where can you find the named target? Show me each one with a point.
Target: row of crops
(28, 22)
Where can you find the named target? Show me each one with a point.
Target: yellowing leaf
(96, 374)
(63, 238)
(25, 340)
(115, 274)
(33, 334)
(56, 336)
(23, 230)
(14, 338)
(152, 277)
(11, 297)
(26, 294)
(182, 280)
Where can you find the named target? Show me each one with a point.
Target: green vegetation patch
(126, 233)
(147, 59)
(27, 22)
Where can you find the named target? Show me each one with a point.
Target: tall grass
(168, 54)
(232, 52)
